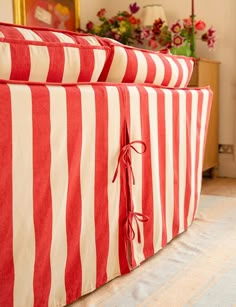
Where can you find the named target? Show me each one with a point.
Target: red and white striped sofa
(101, 150)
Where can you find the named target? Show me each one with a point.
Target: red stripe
(47, 36)
(9, 31)
(180, 73)
(21, 63)
(124, 244)
(41, 193)
(101, 184)
(167, 70)
(175, 227)
(107, 66)
(147, 192)
(151, 68)
(188, 157)
(132, 66)
(197, 162)
(73, 271)
(6, 222)
(86, 67)
(56, 55)
(162, 158)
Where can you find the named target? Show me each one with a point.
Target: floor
(219, 186)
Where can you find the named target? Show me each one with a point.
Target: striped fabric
(127, 64)
(63, 217)
(41, 54)
(172, 124)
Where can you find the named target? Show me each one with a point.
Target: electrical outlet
(226, 148)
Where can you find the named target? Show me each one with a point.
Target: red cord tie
(138, 217)
(125, 157)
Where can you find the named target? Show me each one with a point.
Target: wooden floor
(219, 186)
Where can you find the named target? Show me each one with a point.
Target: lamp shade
(152, 12)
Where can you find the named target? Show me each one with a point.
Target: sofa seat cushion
(49, 55)
(128, 64)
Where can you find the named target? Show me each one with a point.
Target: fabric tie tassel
(125, 158)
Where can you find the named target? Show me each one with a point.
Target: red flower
(134, 20)
(211, 31)
(177, 40)
(200, 25)
(158, 23)
(176, 27)
(101, 13)
(89, 26)
(134, 8)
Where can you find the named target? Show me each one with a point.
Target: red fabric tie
(125, 158)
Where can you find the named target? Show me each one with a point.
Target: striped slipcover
(95, 178)
(49, 55)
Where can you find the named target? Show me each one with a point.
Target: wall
(214, 13)
(6, 11)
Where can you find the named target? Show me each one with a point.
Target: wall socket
(226, 148)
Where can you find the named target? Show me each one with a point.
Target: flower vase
(184, 49)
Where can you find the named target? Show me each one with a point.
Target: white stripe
(63, 38)
(193, 139)
(136, 134)
(160, 69)
(118, 66)
(169, 163)
(157, 211)
(185, 75)
(39, 63)
(5, 61)
(91, 40)
(203, 133)
(59, 187)
(1, 34)
(99, 61)
(22, 171)
(174, 72)
(113, 267)
(71, 64)
(182, 156)
(29, 34)
(87, 175)
(141, 66)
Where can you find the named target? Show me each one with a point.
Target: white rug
(198, 268)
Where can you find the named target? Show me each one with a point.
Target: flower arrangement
(126, 29)
(178, 37)
(123, 27)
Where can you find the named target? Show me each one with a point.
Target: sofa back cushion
(128, 64)
(49, 55)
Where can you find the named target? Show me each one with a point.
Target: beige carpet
(196, 269)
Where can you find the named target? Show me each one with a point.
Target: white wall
(222, 17)
(6, 11)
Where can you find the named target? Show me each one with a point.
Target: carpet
(198, 268)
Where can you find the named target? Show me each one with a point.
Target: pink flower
(200, 25)
(176, 27)
(134, 8)
(152, 43)
(177, 40)
(211, 31)
(145, 32)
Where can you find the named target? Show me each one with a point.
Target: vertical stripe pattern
(177, 120)
(129, 64)
(63, 216)
(22, 179)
